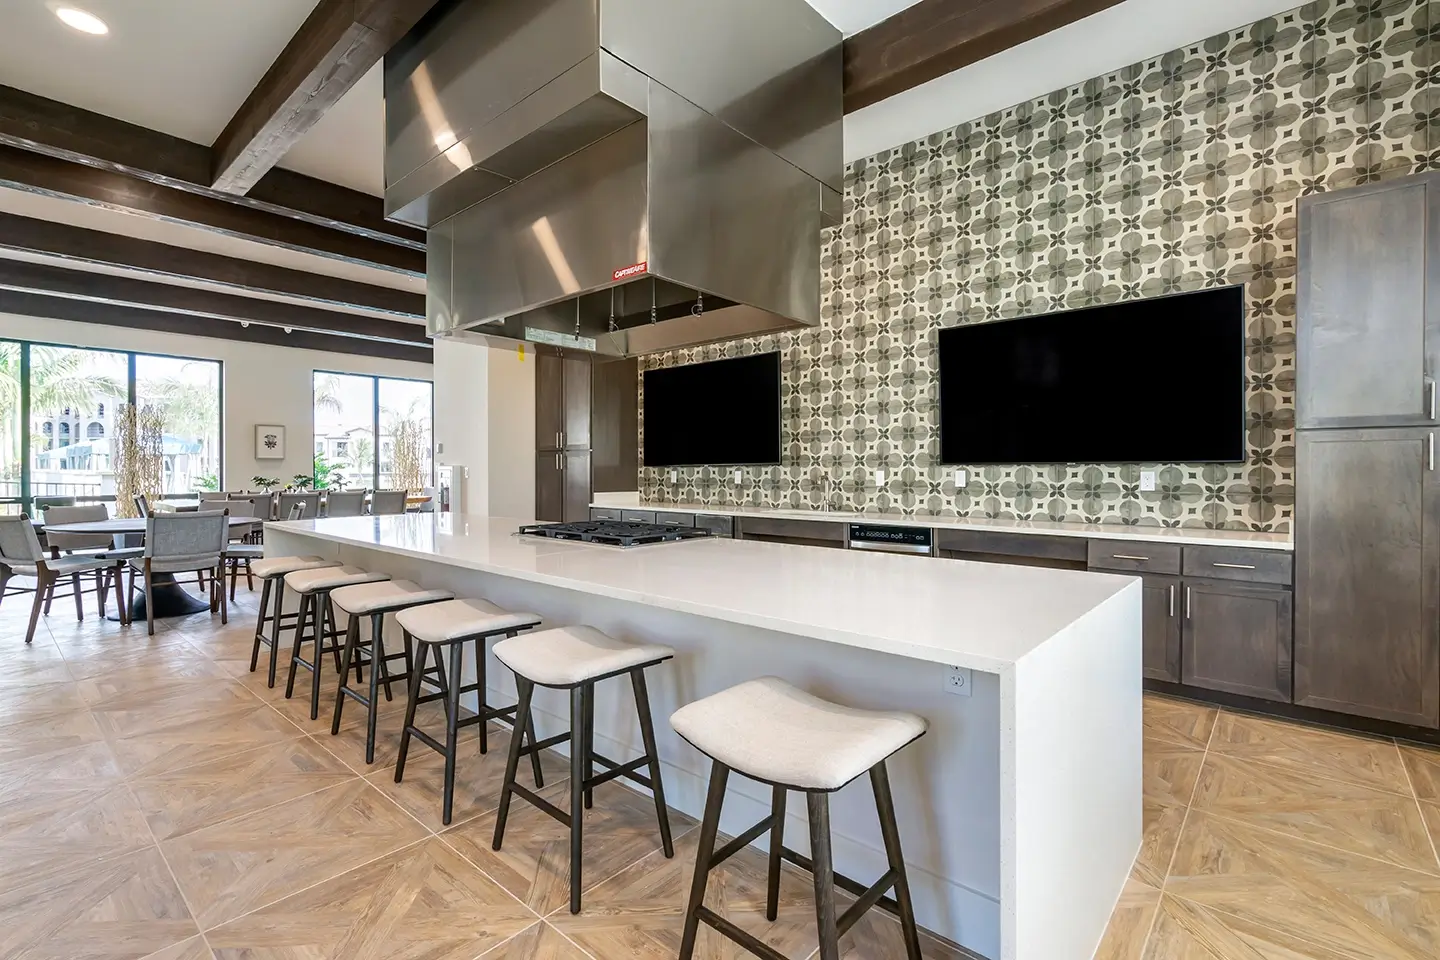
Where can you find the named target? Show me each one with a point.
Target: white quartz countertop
(979, 615)
(1192, 536)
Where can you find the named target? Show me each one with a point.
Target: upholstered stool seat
(374, 600)
(452, 624)
(566, 656)
(575, 659)
(272, 571)
(773, 732)
(314, 586)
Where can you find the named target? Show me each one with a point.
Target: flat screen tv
(1146, 381)
(720, 413)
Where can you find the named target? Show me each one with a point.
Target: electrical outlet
(674, 476)
(1147, 481)
(962, 477)
(958, 681)
(739, 475)
(879, 478)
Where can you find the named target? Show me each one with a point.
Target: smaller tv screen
(720, 413)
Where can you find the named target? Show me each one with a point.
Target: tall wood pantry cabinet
(1367, 530)
(586, 432)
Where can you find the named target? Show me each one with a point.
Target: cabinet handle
(561, 444)
(558, 464)
(1431, 455)
(1234, 566)
(1172, 599)
(1431, 382)
(1187, 603)
(1129, 556)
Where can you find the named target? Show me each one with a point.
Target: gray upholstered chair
(142, 505)
(41, 503)
(184, 543)
(90, 544)
(311, 501)
(345, 503)
(239, 555)
(22, 556)
(383, 502)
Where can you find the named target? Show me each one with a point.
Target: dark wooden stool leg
(824, 863)
(578, 757)
(275, 628)
(260, 624)
(377, 649)
(352, 642)
(526, 690)
(890, 831)
(415, 677)
(587, 741)
(300, 619)
(647, 735)
(777, 843)
(709, 827)
(377, 663)
(452, 727)
(324, 627)
(481, 693)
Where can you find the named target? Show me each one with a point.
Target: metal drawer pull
(1172, 599)
(1432, 452)
(1234, 566)
(1187, 603)
(557, 439)
(1431, 382)
(1129, 556)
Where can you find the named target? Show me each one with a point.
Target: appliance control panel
(870, 536)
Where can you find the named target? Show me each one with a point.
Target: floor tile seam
(208, 759)
(674, 839)
(487, 875)
(170, 870)
(1308, 771)
(568, 939)
(1326, 944)
(399, 806)
(1419, 807)
(238, 816)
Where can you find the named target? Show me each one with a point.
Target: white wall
(485, 421)
(262, 383)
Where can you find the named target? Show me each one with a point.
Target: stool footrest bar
(616, 771)
(744, 939)
(867, 900)
(740, 842)
(855, 887)
(541, 803)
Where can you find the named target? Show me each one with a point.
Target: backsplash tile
(1175, 174)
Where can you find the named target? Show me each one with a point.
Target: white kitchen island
(1020, 810)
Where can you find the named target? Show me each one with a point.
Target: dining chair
(345, 504)
(311, 501)
(206, 496)
(142, 505)
(22, 556)
(42, 502)
(385, 502)
(242, 553)
(95, 545)
(184, 543)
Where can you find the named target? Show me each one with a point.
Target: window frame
(374, 379)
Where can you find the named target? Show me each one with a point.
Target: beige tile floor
(158, 801)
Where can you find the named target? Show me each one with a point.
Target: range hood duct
(617, 176)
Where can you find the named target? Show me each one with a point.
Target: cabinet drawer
(720, 526)
(767, 527)
(1239, 563)
(1134, 556)
(639, 516)
(604, 513)
(674, 519)
(1028, 545)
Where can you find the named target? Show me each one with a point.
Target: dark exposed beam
(80, 245)
(82, 136)
(338, 43)
(138, 318)
(107, 288)
(934, 37)
(44, 174)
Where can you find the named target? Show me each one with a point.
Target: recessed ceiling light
(77, 19)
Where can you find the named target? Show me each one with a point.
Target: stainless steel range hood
(617, 176)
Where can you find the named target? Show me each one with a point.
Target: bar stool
(374, 600)
(314, 587)
(575, 659)
(770, 731)
(453, 624)
(272, 571)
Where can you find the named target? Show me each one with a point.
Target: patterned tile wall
(1174, 174)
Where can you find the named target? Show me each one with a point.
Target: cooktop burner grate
(614, 533)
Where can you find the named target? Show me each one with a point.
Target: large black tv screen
(1147, 381)
(721, 413)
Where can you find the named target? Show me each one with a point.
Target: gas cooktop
(613, 533)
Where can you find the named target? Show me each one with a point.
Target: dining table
(171, 598)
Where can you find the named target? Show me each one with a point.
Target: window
(51, 446)
(352, 412)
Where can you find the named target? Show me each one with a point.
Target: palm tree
(60, 377)
(327, 392)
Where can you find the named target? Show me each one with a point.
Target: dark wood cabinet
(1368, 573)
(549, 401)
(1238, 638)
(1368, 335)
(1160, 629)
(576, 468)
(587, 422)
(808, 533)
(549, 486)
(575, 426)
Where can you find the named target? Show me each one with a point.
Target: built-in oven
(888, 539)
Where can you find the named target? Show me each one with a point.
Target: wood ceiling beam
(108, 288)
(336, 45)
(81, 245)
(56, 129)
(29, 304)
(44, 174)
(935, 37)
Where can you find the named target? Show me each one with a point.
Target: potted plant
(265, 483)
(301, 482)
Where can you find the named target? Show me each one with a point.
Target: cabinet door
(550, 486)
(1367, 574)
(1238, 638)
(577, 484)
(1365, 333)
(1161, 629)
(549, 401)
(576, 428)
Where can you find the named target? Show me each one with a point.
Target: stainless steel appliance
(887, 539)
(609, 176)
(614, 533)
